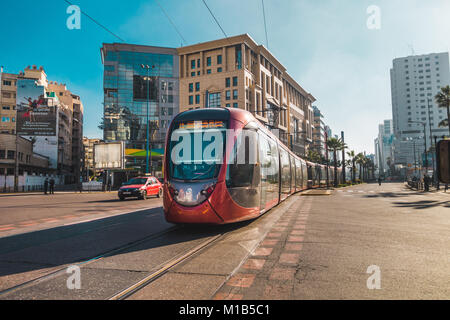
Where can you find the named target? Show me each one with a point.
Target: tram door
(264, 156)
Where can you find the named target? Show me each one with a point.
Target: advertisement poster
(36, 114)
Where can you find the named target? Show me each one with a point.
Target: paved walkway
(327, 248)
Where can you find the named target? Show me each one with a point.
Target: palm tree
(352, 156)
(360, 160)
(443, 101)
(313, 156)
(349, 164)
(443, 123)
(335, 145)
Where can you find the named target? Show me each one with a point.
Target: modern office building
(415, 80)
(319, 140)
(140, 84)
(384, 147)
(236, 72)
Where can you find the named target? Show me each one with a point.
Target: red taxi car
(141, 188)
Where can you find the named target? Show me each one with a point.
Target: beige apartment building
(236, 72)
(8, 89)
(69, 140)
(88, 145)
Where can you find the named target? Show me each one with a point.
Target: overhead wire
(171, 22)
(97, 23)
(215, 19)
(265, 25)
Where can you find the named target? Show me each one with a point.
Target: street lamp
(424, 140)
(414, 150)
(148, 120)
(431, 136)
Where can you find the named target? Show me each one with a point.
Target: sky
(326, 46)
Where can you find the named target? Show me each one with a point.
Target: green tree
(335, 145)
(443, 101)
(353, 159)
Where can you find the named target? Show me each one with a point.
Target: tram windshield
(196, 150)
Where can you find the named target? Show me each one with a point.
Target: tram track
(62, 270)
(165, 268)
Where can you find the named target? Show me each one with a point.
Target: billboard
(109, 155)
(36, 114)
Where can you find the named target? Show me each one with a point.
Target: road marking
(7, 228)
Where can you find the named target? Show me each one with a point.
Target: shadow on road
(80, 242)
(391, 195)
(426, 204)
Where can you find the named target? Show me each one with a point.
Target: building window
(197, 86)
(2, 154)
(208, 71)
(219, 59)
(238, 57)
(198, 63)
(227, 105)
(208, 61)
(214, 100)
(197, 99)
(227, 82)
(192, 64)
(191, 100)
(6, 82)
(11, 154)
(235, 94)
(219, 69)
(235, 105)
(193, 74)
(191, 87)
(5, 119)
(227, 95)
(235, 81)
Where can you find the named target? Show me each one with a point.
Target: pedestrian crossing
(356, 191)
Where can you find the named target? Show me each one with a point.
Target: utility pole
(326, 155)
(431, 137)
(343, 158)
(148, 120)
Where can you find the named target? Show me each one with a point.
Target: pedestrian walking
(426, 182)
(379, 181)
(45, 185)
(52, 186)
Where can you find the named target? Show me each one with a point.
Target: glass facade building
(140, 83)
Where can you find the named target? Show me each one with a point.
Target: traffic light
(443, 160)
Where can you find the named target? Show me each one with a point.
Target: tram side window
(285, 171)
(298, 173)
(273, 176)
(243, 171)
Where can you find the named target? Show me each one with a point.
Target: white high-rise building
(415, 80)
(384, 147)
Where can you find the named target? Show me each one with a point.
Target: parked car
(141, 188)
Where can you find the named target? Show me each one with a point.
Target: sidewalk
(322, 247)
(41, 193)
(270, 271)
(432, 189)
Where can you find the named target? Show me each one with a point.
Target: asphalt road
(310, 247)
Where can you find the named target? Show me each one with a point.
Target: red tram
(223, 166)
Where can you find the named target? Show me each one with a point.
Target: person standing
(426, 182)
(379, 181)
(45, 185)
(52, 186)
